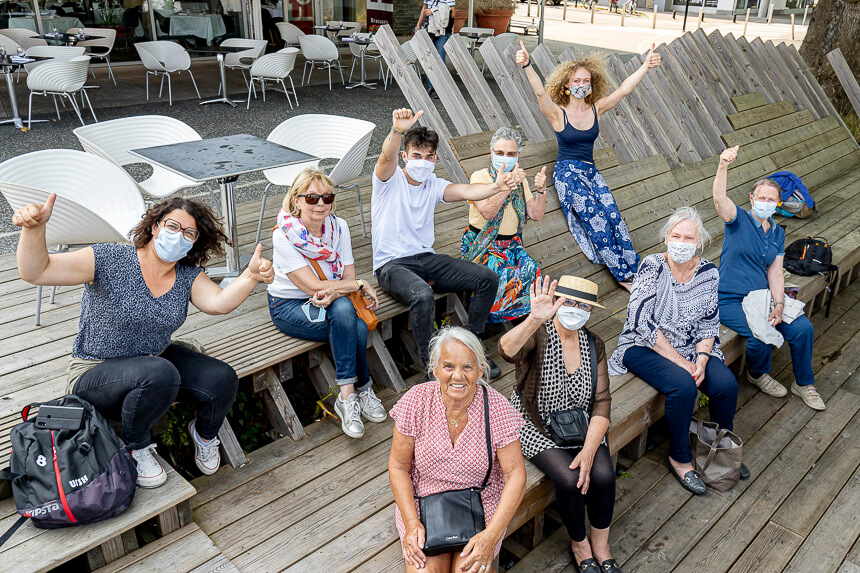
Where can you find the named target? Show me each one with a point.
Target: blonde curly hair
(596, 66)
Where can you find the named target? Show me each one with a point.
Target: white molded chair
(23, 37)
(274, 68)
(104, 46)
(290, 33)
(371, 52)
(164, 58)
(326, 137)
(113, 140)
(64, 79)
(319, 50)
(243, 60)
(10, 44)
(56, 53)
(411, 58)
(102, 210)
(350, 29)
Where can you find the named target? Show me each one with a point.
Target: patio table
(363, 43)
(8, 65)
(474, 37)
(206, 26)
(66, 38)
(224, 159)
(332, 30)
(220, 52)
(61, 23)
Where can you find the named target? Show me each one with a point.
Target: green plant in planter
(112, 16)
(482, 6)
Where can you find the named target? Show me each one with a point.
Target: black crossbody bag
(568, 428)
(452, 518)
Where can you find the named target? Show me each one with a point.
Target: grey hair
(768, 182)
(686, 214)
(507, 133)
(465, 338)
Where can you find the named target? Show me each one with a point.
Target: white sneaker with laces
(768, 385)
(372, 409)
(349, 412)
(207, 457)
(150, 474)
(809, 395)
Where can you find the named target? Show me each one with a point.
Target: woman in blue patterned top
(135, 297)
(671, 338)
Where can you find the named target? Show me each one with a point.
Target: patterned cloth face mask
(681, 252)
(580, 92)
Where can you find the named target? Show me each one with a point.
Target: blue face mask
(503, 163)
(763, 209)
(171, 247)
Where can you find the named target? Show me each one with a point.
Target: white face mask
(572, 318)
(681, 252)
(419, 169)
(763, 209)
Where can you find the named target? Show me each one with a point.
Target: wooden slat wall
(479, 90)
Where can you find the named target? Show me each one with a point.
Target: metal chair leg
(262, 213)
(340, 69)
(56, 107)
(30, 117)
(38, 305)
(360, 205)
(161, 87)
(89, 103)
(286, 93)
(295, 95)
(263, 89)
(195, 84)
(110, 70)
(147, 86)
(329, 76)
(351, 69)
(53, 294)
(249, 94)
(169, 90)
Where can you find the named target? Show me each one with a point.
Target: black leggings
(600, 499)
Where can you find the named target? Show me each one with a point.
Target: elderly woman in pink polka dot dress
(440, 445)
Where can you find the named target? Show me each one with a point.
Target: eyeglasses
(173, 226)
(577, 304)
(313, 198)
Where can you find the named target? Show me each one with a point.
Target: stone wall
(406, 16)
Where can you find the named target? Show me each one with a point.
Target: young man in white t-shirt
(403, 206)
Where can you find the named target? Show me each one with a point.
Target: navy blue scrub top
(747, 253)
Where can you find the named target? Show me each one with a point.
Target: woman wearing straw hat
(670, 338)
(561, 368)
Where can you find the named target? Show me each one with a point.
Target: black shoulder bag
(452, 518)
(568, 428)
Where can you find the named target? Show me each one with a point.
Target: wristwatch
(708, 354)
(360, 284)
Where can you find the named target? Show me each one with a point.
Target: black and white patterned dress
(559, 390)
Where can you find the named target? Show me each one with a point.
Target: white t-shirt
(403, 216)
(287, 258)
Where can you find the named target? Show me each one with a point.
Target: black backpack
(812, 256)
(68, 467)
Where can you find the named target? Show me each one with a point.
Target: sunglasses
(313, 198)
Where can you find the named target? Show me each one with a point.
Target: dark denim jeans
(406, 279)
(140, 389)
(342, 329)
(439, 43)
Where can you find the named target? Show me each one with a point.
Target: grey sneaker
(372, 409)
(768, 385)
(149, 472)
(809, 395)
(349, 413)
(207, 457)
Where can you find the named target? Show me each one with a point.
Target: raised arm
(504, 183)
(726, 208)
(652, 60)
(547, 106)
(212, 299)
(536, 207)
(401, 120)
(543, 308)
(35, 264)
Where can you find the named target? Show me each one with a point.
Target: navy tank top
(577, 144)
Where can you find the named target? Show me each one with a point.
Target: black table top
(348, 40)
(7, 62)
(222, 157)
(68, 38)
(219, 49)
(330, 28)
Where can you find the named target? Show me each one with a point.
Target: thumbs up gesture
(34, 215)
(261, 269)
(653, 59)
(540, 179)
(522, 57)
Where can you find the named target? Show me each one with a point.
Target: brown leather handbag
(356, 298)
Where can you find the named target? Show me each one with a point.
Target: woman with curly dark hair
(135, 297)
(576, 95)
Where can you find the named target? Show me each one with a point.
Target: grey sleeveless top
(119, 316)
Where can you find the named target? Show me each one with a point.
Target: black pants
(139, 390)
(600, 498)
(406, 279)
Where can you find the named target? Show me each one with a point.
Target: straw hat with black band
(575, 288)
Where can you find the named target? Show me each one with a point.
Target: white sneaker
(349, 413)
(768, 385)
(207, 457)
(372, 409)
(809, 395)
(149, 472)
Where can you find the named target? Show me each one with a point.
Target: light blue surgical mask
(307, 308)
(763, 209)
(504, 163)
(171, 247)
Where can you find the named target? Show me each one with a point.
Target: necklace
(455, 421)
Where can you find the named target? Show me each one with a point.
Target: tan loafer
(809, 395)
(768, 385)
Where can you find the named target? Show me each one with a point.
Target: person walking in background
(576, 95)
(494, 235)
(403, 208)
(436, 17)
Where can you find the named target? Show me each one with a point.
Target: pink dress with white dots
(439, 466)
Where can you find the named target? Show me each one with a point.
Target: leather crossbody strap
(489, 442)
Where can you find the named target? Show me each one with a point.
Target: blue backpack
(796, 200)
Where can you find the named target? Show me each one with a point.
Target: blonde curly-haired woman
(575, 96)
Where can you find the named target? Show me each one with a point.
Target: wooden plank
(233, 453)
(544, 60)
(449, 93)
(735, 83)
(767, 129)
(323, 375)
(773, 545)
(736, 66)
(687, 48)
(418, 99)
(716, 110)
(760, 81)
(776, 68)
(381, 364)
(280, 411)
(760, 114)
(182, 551)
(846, 78)
(748, 101)
(799, 79)
(478, 88)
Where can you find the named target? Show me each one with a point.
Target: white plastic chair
(10, 44)
(56, 53)
(290, 33)
(164, 58)
(113, 140)
(411, 58)
(274, 68)
(243, 60)
(371, 52)
(326, 137)
(319, 50)
(105, 45)
(23, 37)
(64, 79)
(97, 202)
(349, 29)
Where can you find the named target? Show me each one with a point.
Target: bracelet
(776, 303)
(708, 354)
(539, 192)
(398, 131)
(527, 65)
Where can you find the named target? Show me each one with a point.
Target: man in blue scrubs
(753, 250)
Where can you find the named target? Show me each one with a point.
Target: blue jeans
(679, 387)
(440, 47)
(799, 335)
(344, 331)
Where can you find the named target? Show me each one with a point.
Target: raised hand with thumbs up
(653, 59)
(261, 269)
